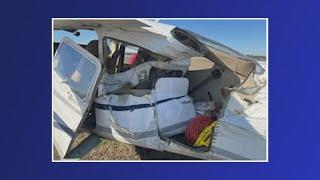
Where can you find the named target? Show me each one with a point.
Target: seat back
(92, 47)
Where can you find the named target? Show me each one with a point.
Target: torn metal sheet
(132, 77)
(243, 125)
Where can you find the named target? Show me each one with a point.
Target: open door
(75, 75)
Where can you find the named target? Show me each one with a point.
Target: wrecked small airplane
(134, 84)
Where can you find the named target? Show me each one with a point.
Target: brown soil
(114, 150)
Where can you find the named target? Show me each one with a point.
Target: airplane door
(75, 73)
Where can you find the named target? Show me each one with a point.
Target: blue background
(25, 141)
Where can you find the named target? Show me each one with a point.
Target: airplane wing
(74, 24)
(164, 39)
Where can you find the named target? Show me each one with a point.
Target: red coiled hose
(195, 126)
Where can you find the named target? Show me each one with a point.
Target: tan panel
(200, 63)
(239, 66)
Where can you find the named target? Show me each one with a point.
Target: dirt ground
(114, 150)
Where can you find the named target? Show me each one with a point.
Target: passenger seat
(92, 47)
